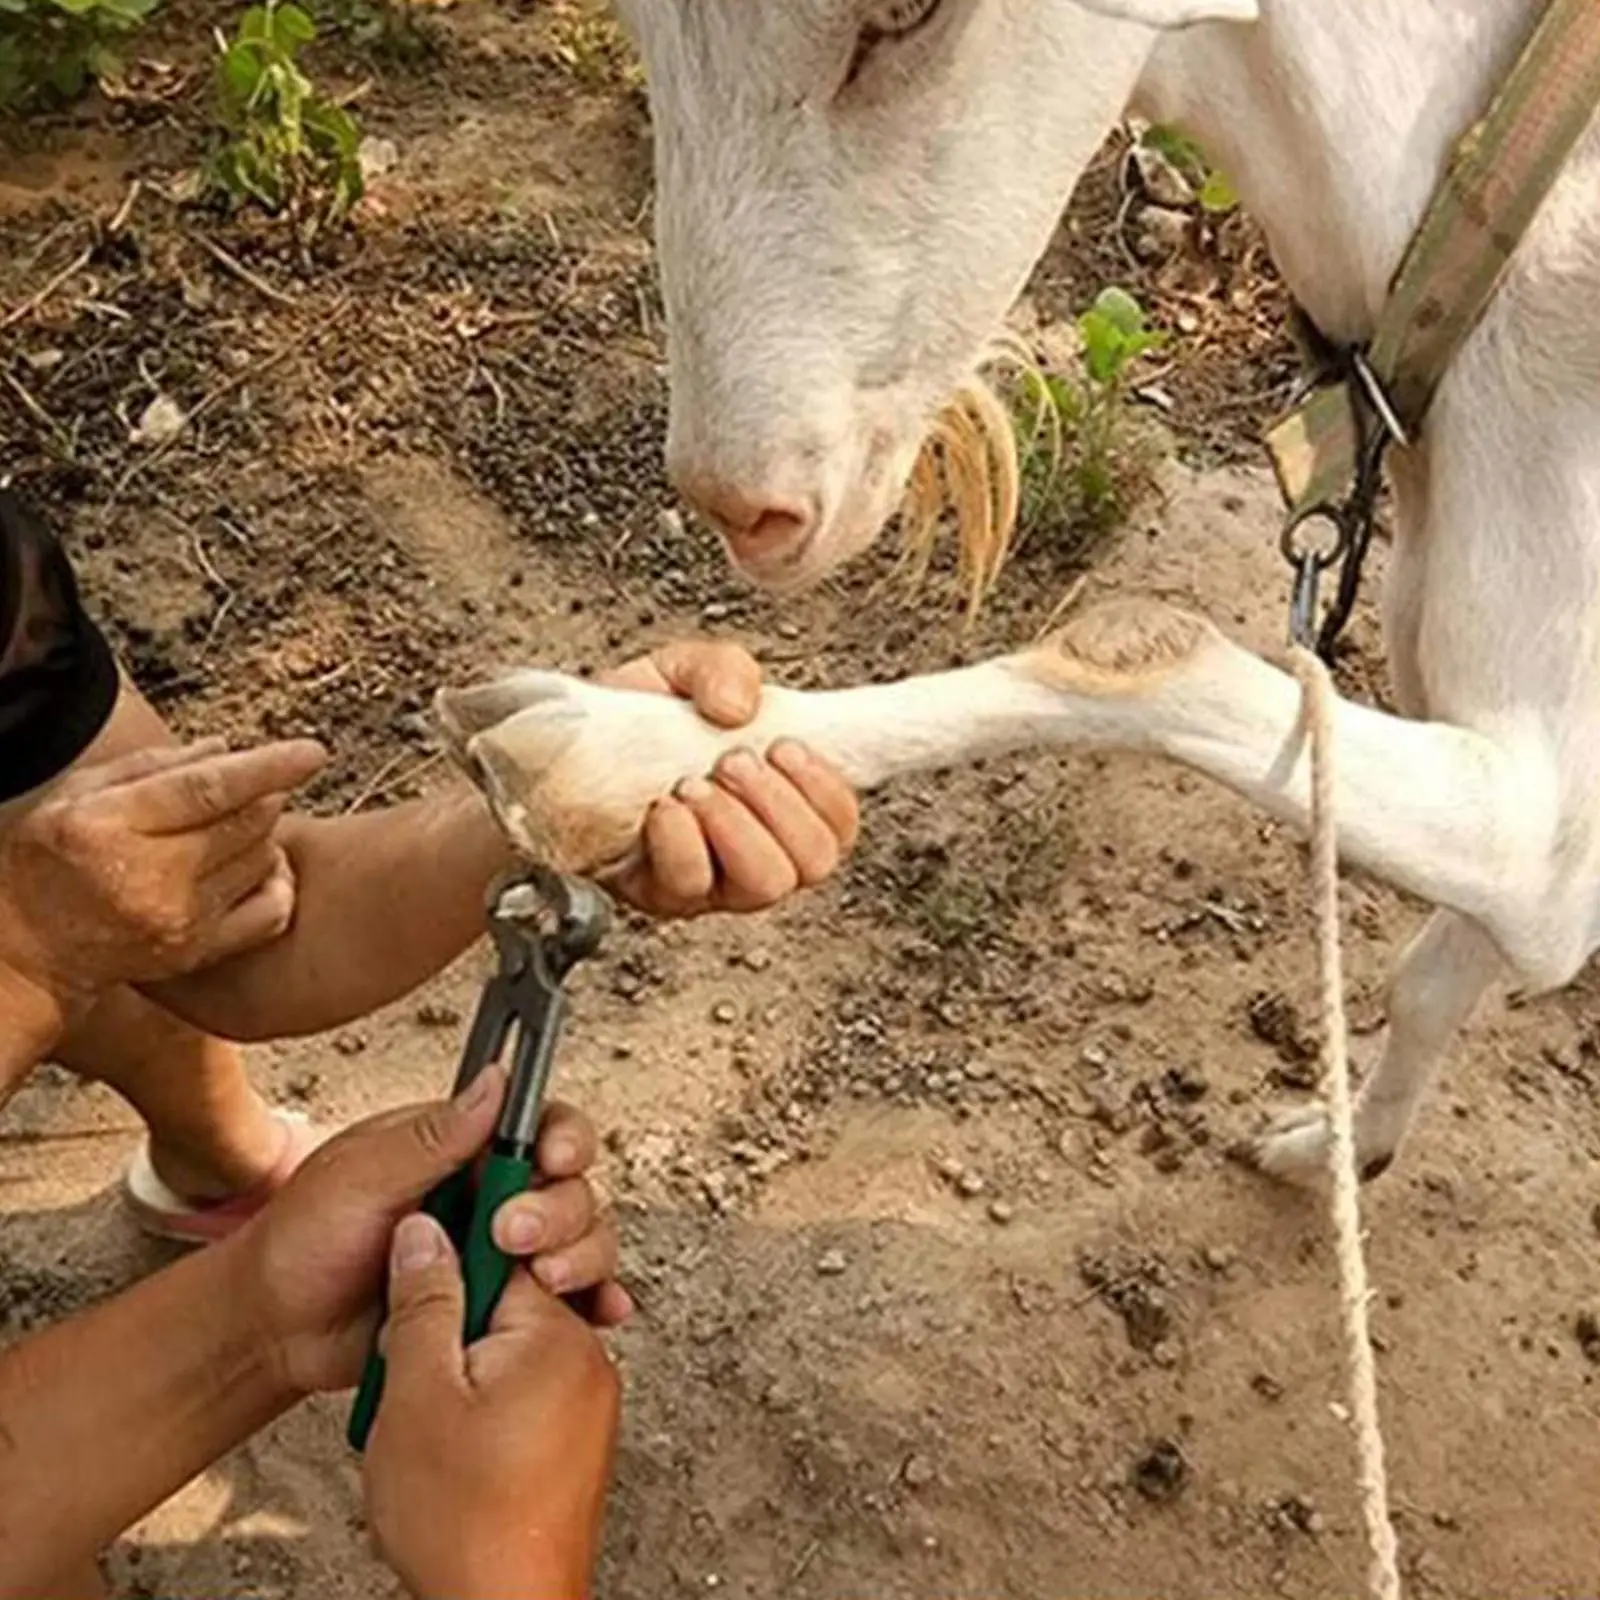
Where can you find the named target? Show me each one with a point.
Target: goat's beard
(967, 470)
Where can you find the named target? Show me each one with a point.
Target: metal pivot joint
(542, 928)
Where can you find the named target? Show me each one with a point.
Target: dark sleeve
(58, 680)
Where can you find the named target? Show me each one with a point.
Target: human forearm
(106, 1415)
(32, 1021)
(385, 900)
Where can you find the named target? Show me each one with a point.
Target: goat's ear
(1166, 14)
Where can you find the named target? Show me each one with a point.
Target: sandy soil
(949, 1285)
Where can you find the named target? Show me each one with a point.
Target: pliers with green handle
(543, 925)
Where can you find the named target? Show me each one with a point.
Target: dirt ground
(949, 1284)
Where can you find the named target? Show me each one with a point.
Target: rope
(1383, 1573)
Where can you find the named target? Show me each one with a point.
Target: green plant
(1075, 461)
(1212, 188)
(51, 50)
(288, 148)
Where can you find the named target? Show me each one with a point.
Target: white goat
(852, 192)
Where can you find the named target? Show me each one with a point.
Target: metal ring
(1289, 545)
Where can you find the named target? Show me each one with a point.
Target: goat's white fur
(815, 324)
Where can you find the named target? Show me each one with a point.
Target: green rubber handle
(487, 1268)
(450, 1204)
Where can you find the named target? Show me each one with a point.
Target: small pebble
(1161, 1473)
(1587, 1328)
(1001, 1212)
(431, 1014)
(725, 1011)
(970, 1184)
(831, 1263)
(917, 1472)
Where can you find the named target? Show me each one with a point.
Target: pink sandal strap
(163, 1213)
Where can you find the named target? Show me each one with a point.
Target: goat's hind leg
(1433, 992)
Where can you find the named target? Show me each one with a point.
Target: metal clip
(1309, 562)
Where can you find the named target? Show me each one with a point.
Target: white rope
(1317, 694)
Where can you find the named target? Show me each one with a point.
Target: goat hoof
(1294, 1149)
(569, 768)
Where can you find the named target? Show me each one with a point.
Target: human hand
(487, 1469)
(149, 866)
(314, 1257)
(755, 831)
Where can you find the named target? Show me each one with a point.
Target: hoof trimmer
(542, 925)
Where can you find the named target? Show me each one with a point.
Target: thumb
(723, 680)
(427, 1305)
(395, 1160)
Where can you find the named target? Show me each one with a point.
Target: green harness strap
(1499, 176)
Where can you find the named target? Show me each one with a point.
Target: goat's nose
(762, 529)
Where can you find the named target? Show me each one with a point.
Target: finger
(139, 764)
(245, 830)
(723, 680)
(258, 919)
(584, 1264)
(397, 1161)
(804, 836)
(825, 789)
(427, 1305)
(527, 1306)
(246, 875)
(676, 873)
(452, 1132)
(607, 1305)
(546, 1220)
(641, 675)
(207, 791)
(568, 1142)
(755, 871)
(610, 1305)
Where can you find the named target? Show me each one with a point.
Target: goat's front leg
(571, 768)
(1433, 992)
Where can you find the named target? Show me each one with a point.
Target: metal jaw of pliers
(543, 925)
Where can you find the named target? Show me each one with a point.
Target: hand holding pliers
(542, 925)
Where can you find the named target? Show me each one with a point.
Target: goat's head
(850, 195)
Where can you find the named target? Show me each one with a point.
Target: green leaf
(254, 24)
(1120, 309)
(239, 73)
(1177, 147)
(1217, 194)
(334, 125)
(291, 28)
